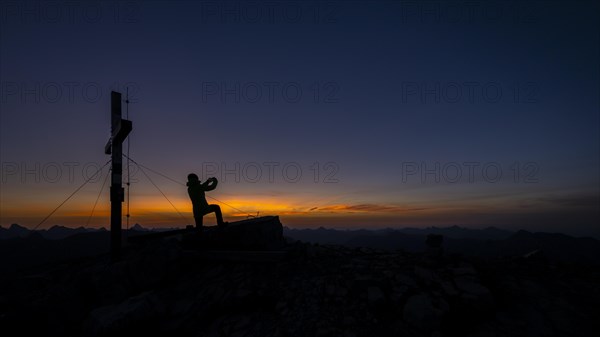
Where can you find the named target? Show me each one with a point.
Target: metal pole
(116, 188)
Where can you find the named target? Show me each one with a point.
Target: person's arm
(210, 184)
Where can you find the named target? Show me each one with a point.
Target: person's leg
(198, 221)
(218, 214)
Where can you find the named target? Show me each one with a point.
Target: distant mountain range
(22, 249)
(53, 233)
(334, 236)
(486, 243)
(60, 232)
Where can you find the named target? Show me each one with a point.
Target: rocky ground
(308, 290)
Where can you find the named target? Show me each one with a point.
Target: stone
(425, 275)
(449, 288)
(474, 295)
(263, 233)
(464, 269)
(152, 264)
(405, 280)
(374, 294)
(421, 311)
(112, 318)
(398, 293)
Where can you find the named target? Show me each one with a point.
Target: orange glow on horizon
(155, 211)
(295, 211)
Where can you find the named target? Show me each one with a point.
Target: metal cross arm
(123, 129)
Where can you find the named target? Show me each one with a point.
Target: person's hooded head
(192, 179)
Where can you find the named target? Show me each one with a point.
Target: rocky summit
(164, 287)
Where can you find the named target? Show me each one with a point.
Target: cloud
(573, 201)
(365, 208)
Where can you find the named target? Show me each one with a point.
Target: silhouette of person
(200, 206)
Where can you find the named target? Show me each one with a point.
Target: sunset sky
(335, 114)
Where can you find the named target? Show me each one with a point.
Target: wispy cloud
(572, 201)
(365, 208)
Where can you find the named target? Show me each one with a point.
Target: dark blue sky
(376, 93)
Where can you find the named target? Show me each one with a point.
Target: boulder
(123, 316)
(474, 295)
(425, 312)
(375, 295)
(263, 233)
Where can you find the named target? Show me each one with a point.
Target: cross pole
(120, 128)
